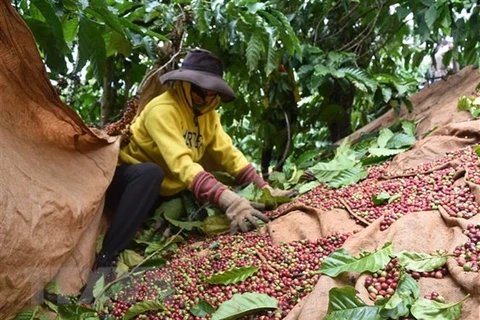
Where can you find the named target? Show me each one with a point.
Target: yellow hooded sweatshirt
(168, 133)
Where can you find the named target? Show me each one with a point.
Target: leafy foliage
(232, 276)
(202, 308)
(341, 261)
(421, 262)
(431, 309)
(244, 304)
(341, 61)
(404, 302)
(140, 307)
(343, 304)
(470, 104)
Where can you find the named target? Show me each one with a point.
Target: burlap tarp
(55, 171)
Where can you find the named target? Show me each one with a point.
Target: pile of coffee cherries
(286, 272)
(382, 284)
(423, 188)
(468, 254)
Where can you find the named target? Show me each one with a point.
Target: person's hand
(282, 193)
(239, 211)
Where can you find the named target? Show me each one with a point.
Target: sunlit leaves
(254, 50)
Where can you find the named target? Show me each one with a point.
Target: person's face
(202, 97)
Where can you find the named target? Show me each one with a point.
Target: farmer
(169, 138)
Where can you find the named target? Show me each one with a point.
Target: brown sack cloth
(54, 172)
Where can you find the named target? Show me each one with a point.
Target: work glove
(239, 210)
(282, 193)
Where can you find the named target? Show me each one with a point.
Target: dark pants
(132, 195)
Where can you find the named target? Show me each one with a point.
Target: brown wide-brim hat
(203, 68)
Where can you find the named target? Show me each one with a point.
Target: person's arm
(165, 129)
(237, 209)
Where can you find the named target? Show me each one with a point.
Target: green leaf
(187, 225)
(348, 177)
(54, 57)
(53, 287)
(408, 103)
(477, 150)
(289, 36)
(76, 312)
(421, 262)
(387, 94)
(402, 299)
(267, 199)
(409, 128)
(250, 192)
(70, 28)
(380, 198)
(427, 309)
(371, 160)
(216, 224)
(174, 209)
(253, 52)
(115, 43)
(142, 307)
(244, 304)
(431, 16)
(51, 306)
(400, 140)
(305, 157)
(308, 187)
(130, 258)
(202, 309)
(272, 60)
(394, 198)
(343, 304)
(165, 294)
(91, 47)
(99, 286)
(48, 12)
(341, 261)
(99, 9)
(121, 268)
(232, 276)
(28, 314)
(154, 263)
(384, 135)
(254, 7)
(384, 152)
(384, 197)
(271, 202)
(199, 9)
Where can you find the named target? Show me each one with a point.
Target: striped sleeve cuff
(206, 188)
(248, 175)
